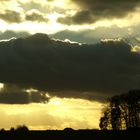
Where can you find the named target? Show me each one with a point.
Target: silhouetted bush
(22, 128)
(2, 130)
(68, 129)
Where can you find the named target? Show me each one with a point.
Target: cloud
(69, 70)
(35, 15)
(10, 94)
(22, 98)
(94, 10)
(80, 17)
(94, 36)
(11, 16)
(8, 34)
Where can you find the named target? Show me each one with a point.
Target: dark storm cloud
(22, 98)
(11, 16)
(80, 18)
(13, 95)
(35, 16)
(94, 10)
(62, 68)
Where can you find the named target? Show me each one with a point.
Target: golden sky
(80, 20)
(57, 114)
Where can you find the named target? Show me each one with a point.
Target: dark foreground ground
(71, 135)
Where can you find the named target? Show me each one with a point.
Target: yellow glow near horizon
(55, 101)
(59, 113)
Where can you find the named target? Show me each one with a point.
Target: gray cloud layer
(94, 10)
(12, 34)
(69, 70)
(94, 36)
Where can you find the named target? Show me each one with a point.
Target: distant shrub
(22, 128)
(68, 129)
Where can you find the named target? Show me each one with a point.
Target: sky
(61, 59)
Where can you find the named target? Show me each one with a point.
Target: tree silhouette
(123, 112)
(104, 120)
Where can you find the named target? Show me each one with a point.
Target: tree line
(122, 112)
